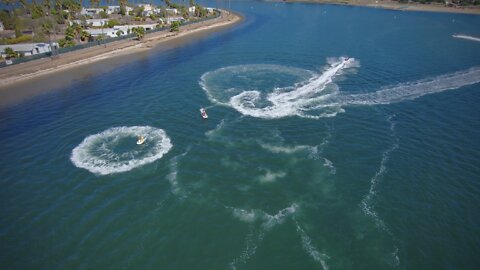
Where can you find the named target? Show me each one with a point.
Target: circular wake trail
(286, 102)
(115, 150)
(303, 94)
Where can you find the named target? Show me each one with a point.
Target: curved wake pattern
(467, 37)
(267, 91)
(115, 150)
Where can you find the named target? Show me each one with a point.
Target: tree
(175, 26)
(47, 5)
(123, 6)
(192, 3)
(112, 23)
(119, 33)
(84, 35)
(139, 32)
(10, 52)
(103, 14)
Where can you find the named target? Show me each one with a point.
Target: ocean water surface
(338, 138)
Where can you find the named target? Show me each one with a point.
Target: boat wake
(114, 150)
(269, 92)
(256, 234)
(367, 204)
(466, 37)
(311, 249)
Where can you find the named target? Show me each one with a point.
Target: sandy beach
(24, 75)
(393, 5)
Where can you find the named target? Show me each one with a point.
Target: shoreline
(25, 72)
(391, 5)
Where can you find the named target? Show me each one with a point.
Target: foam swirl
(114, 150)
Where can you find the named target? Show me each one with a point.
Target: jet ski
(141, 140)
(204, 114)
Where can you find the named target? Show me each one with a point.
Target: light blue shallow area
(375, 165)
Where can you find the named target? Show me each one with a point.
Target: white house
(174, 19)
(112, 32)
(191, 9)
(1, 27)
(172, 11)
(92, 22)
(125, 28)
(102, 32)
(113, 9)
(29, 48)
(90, 11)
(209, 9)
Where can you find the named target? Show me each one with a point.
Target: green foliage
(66, 43)
(184, 12)
(37, 11)
(200, 11)
(139, 32)
(10, 52)
(139, 11)
(112, 23)
(85, 36)
(47, 4)
(24, 38)
(47, 26)
(7, 19)
(103, 14)
(18, 27)
(192, 3)
(153, 17)
(119, 33)
(175, 27)
(70, 33)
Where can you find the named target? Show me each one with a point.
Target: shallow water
(338, 138)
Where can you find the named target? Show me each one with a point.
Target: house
(1, 27)
(91, 22)
(148, 9)
(172, 11)
(191, 9)
(91, 11)
(113, 9)
(110, 32)
(209, 9)
(29, 48)
(125, 28)
(174, 19)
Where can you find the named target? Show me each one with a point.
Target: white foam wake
(173, 176)
(412, 90)
(254, 238)
(286, 102)
(318, 96)
(366, 203)
(466, 37)
(115, 150)
(311, 249)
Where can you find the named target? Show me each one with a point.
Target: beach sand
(393, 5)
(22, 81)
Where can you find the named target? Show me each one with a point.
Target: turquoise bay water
(338, 138)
